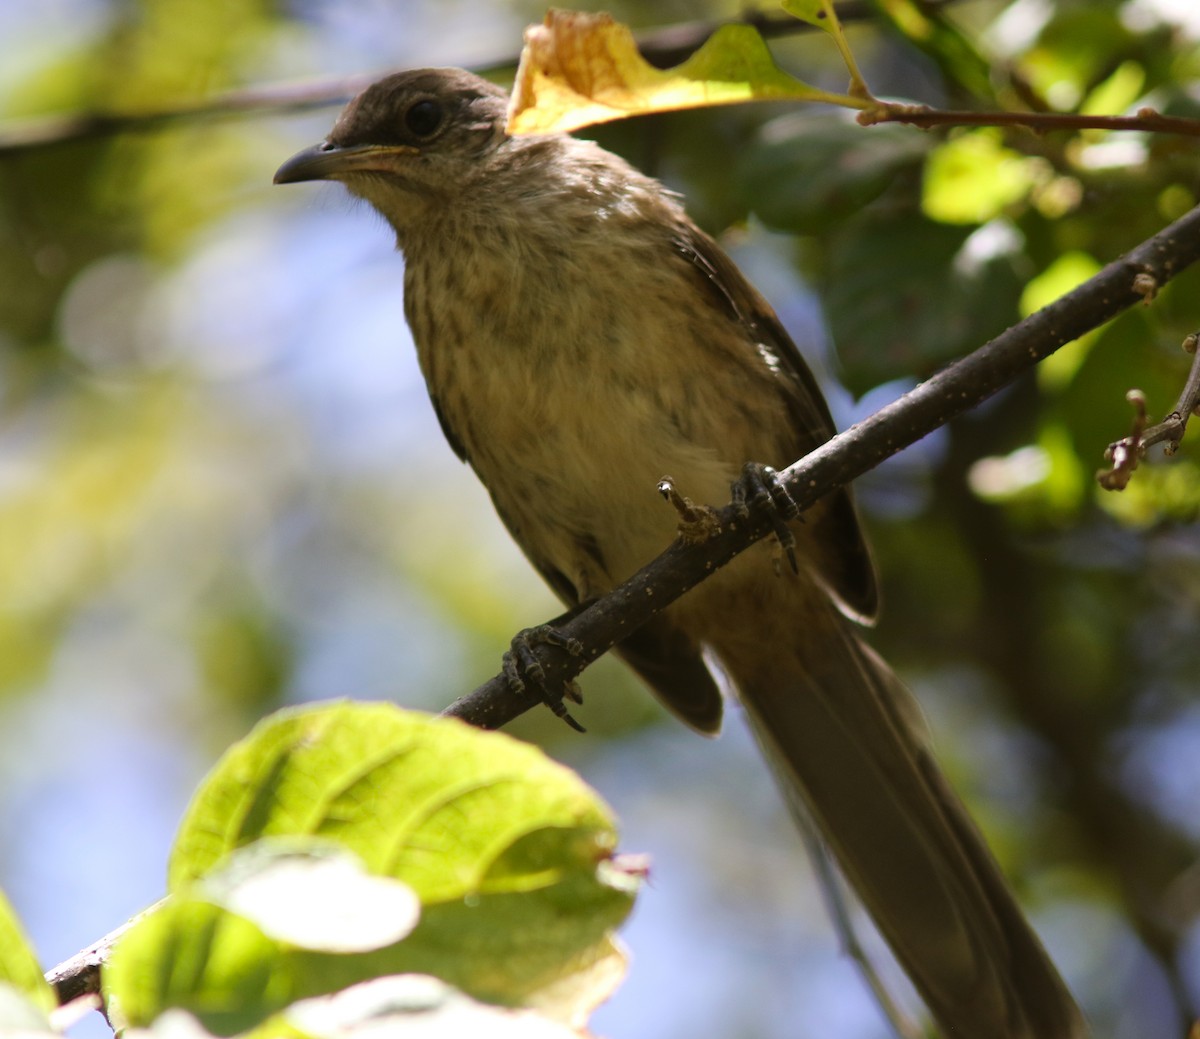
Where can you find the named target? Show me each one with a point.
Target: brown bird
(580, 337)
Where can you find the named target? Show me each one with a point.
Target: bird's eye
(423, 118)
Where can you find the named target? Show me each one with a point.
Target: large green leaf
(510, 854)
(429, 801)
(196, 956)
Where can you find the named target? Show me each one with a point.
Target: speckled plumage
(582, 338)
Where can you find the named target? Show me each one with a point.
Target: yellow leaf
(579, 69)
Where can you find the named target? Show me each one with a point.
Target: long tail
(842, 733)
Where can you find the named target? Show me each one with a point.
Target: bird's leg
(760, 484)
(527, 676)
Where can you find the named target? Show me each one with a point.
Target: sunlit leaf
(510, 854)
(1068, 271)
(1043, 483)
(1162, 490)
(814, 12)
(430, 801)
(196, 956)
(19, 966)
(1118, 92)
(313, 897)
(1074, 51)
(823, 15)
(578, 69)
(973, 178)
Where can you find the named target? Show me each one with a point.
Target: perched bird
(580, 338)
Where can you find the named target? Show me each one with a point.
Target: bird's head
(411, 141)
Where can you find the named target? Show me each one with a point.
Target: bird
(580, 336)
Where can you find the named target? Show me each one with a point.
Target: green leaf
(510, 853)
(1065, 273)
(815, 12)
(1041, 484)
(885, 320)
(823, 15)
(1161, 491)
(313, 896)
(198, 957)
(1075, 52)
(807, 174)
(430, 801)
(19, 967)
(973, 178)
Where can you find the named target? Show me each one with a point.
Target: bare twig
(1146, 119)
(1126, 453)
(80, 975)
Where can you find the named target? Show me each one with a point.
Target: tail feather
(840, 731)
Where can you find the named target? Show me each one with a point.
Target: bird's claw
(761, 485)
(523, 669)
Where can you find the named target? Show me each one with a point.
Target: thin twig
(1125, 454)
(1147, 119)
(80, 975)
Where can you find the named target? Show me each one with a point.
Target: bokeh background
(222, 488)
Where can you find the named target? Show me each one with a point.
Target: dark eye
(423, 118)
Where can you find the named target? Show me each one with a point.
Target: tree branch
(930, 405)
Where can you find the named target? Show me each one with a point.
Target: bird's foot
(527, 677)
(760, 484)
(697, 523)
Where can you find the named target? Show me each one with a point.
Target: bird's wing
(844, 561)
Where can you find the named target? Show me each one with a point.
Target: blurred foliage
(219, 481)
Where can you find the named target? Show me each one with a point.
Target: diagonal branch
(930, 405)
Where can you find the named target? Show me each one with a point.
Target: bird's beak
(327, 161)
